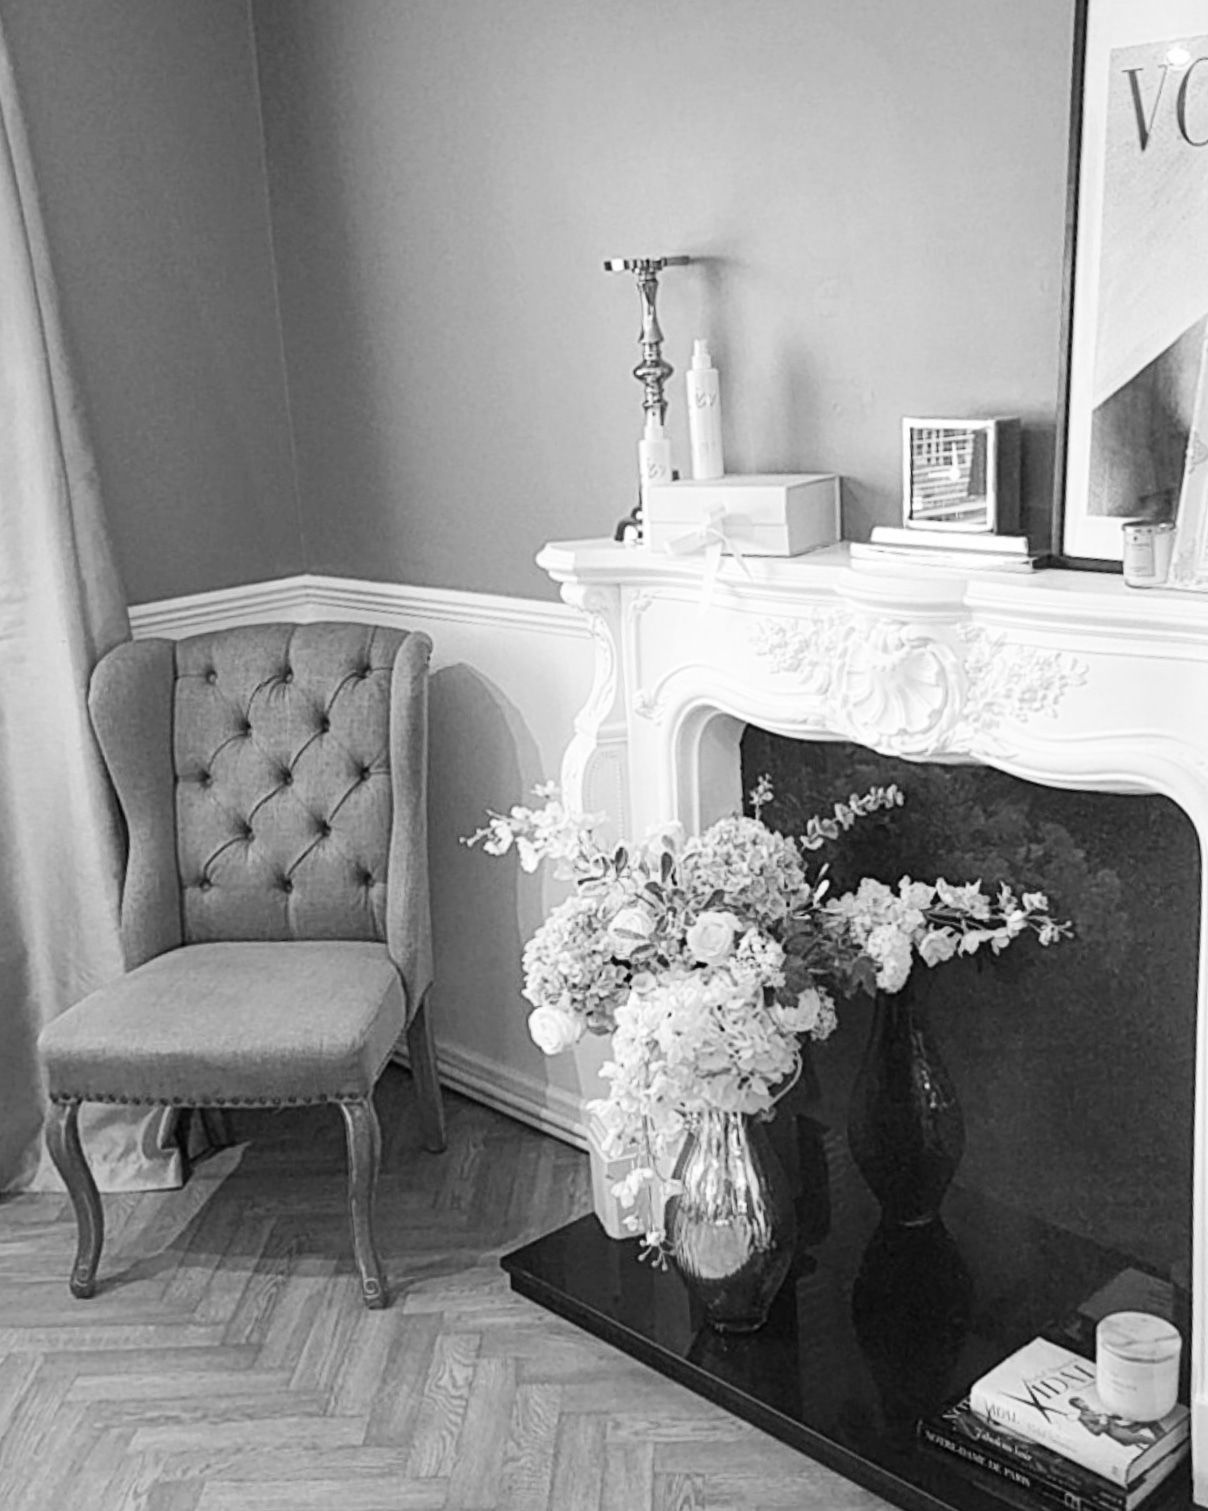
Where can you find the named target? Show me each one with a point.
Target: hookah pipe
(653, 370)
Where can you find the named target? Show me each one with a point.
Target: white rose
(630, 928)
(894, 971)
(938, 945)
(711, 937)
(553, 1031)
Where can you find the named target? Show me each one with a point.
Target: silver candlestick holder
(653, 370)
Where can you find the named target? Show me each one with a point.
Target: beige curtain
(61, 607)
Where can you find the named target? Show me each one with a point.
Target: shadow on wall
(482, 756)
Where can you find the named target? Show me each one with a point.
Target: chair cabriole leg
(63, 1141)
(421, 1049)
(364, 1153)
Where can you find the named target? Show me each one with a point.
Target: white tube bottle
(654, 456)
(704, 414)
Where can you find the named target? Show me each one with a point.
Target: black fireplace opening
(1075, 1063)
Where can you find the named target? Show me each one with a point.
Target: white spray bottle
(704, 414)
(654, 455)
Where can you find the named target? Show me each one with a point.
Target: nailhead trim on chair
(64, 1097)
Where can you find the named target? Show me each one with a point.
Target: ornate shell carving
(897, 688)
(914, 689)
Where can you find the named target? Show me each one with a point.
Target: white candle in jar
(1137, 1365)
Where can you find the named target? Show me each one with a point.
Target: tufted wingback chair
(274, 915)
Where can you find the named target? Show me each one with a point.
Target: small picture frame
(961, 476)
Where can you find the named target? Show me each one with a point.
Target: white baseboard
(472, 619)
(520, 1096)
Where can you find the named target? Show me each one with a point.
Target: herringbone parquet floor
(227, 1364)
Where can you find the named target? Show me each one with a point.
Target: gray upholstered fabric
(255, 1023)
(283, 795)
(130, 703)
(273, 780)
(408, 920)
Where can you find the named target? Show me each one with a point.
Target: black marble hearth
(872, 1329)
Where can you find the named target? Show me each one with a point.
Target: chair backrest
(267, 776)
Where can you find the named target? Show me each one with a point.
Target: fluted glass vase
(731, 1226)
(905, 1127)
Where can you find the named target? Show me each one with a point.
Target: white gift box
(772, 514)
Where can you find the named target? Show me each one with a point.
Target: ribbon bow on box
(713, 537)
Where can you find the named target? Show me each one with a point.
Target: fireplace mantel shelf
(1074, 598)
(1068, 679)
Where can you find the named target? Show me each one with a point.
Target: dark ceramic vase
(905, 1128)
(731, 1226)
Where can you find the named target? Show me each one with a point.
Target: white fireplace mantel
(1070, 679)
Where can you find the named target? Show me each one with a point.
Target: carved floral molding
(909, 688)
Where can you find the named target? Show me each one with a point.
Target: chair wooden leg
(63, 1141)
(364, 1153)
(422, 1051)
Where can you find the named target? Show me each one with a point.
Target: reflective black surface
(905, 1126)
(874, 1326)
(1074, 1065)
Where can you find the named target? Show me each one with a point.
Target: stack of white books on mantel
(895, 546)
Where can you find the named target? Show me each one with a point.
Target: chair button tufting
(287, 779)
(324, 828)
(204, 778)
(247, 832)
(204, 884)
(286, 884)
(245, 728)
(211, 676)
(324, 724)
(363, 672)
(287, 675)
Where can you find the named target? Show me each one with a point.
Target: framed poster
(1136, 293)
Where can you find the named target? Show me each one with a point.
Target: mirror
(948, 477)
(958, 475)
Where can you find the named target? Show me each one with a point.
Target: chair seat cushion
(249, 1023)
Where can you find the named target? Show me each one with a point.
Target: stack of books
(892, 545)
(1035, 1422)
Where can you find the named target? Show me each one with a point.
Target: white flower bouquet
(709, 958)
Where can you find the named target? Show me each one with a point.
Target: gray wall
(143, 117)
(875, 189)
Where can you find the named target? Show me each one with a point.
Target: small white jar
(1148, 546)
(1137, 1365)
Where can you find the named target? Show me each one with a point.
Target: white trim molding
(305, 599)
(224, 608)
(522, 1096)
